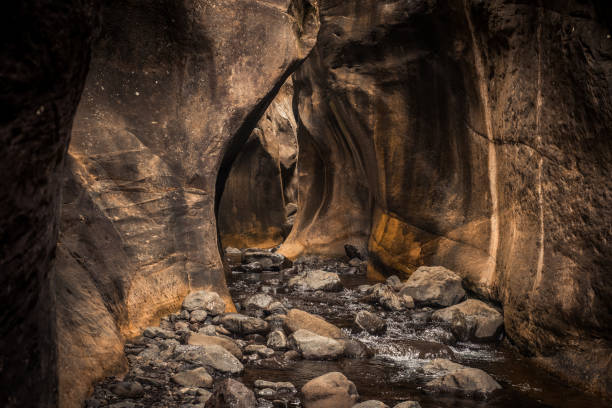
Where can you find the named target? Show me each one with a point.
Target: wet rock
(205, 300)
(331, 390)
(241, 324)
(355, 349)
(435, 286)
(384, 296)
(355, 262)
(466, 381)
(198, 316)
(298, 319)
(440, 365)
(153, 332)
(407, 301)
(276, 308)
(277, 340)
(269, 260)
(230, 393)
(370, 322)
(394, 282)
(197, 377)
(311, 346)
(408, 404)
(352, 252)
(210, 355)
(233, 256)
(259, 301)
(371, 404)
(291, 355)
(316, 280)
(260, 350)
(283, 386)
(472, 320)
(198, 339)
(252, 267)
(127, 389)
(255, 338)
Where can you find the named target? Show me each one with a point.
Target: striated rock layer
(174, 90)
(473, 135)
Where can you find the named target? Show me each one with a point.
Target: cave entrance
(259, 199)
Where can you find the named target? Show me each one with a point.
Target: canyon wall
(474, 135)
(44, 59)
(259, 195)
(174, 91)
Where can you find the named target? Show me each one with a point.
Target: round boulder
(205, 300)
(434, 286)
(331, 390)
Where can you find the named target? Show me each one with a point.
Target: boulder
(127, 389)
(259, 301)
(197, 377)
(210, 355)
(268, 260)
(241, 324)
(230, 393)
(394, 282)
(384, 296)
(199, 339)
(370, 322)
(283, 386)
(472, 320)
(355, 349)
(298, 319)
(371, 404)
(314, 347)
(331, 390)
(205, 300)
(276, 308)
(466, 381)
(153, 332)
(440, 365)
(434, 286)
(252, 267)
(277, 340)
(198, 316)
(316, 280)
(259, 349)
(233, 256)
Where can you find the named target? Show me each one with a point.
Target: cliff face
(173, 89)
(473, 135)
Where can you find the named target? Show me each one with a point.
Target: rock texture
(472, 135)
(174, 90)
(43, 65)
(331, 390)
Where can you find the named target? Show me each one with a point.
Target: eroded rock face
(477, 136)
(43, 65)
(174, 90)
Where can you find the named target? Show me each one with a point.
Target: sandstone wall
(173, 91)
(481, 133)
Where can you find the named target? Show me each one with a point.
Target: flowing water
(393, 374)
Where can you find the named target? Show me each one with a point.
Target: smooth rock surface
(298, 319)
(311, 346)
(208, 301)
(370, 322)
(316, 280)
(331, 390)
(241, 324)
(210, 355)
(472, 319)
(230, 393)
(434, 286)
(198, 377)
(199, 339)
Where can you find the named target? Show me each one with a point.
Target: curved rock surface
(331, 390)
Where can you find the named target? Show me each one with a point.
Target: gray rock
(269, 260)
(276, 386)
(355, 349)
(408, 404)
(466, 381)
(252, 267)
(241, 324)
(197, 377)
(435, 286)
(298, 319)
(370, 322)
(316, 280)
(182, 326)
(198, 316)
(277, 340)
(394, 282)
(208, 330)
(198, 339)
(127, 389)
(384, 296)
(205, 300)
(371, 404)
(212, 355)
(153, 332)
(314, 347)
(276, 308)
(439, 365)
(472, 320)
(203, 395)
(230, 393)
(259, 301)
(233, 256)
(260, 349)
(331, 390)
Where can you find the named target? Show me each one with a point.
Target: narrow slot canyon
(306, 203)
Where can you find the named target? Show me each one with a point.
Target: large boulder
(370, 322)
(258, 302)
(314, 347)
(434, 286)
(200, 339)
(241, 324)
(230, 393)
(298, 319)
(210, 355)
(205, 300)
(331, 390)
(316, 280)
(471, 319)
